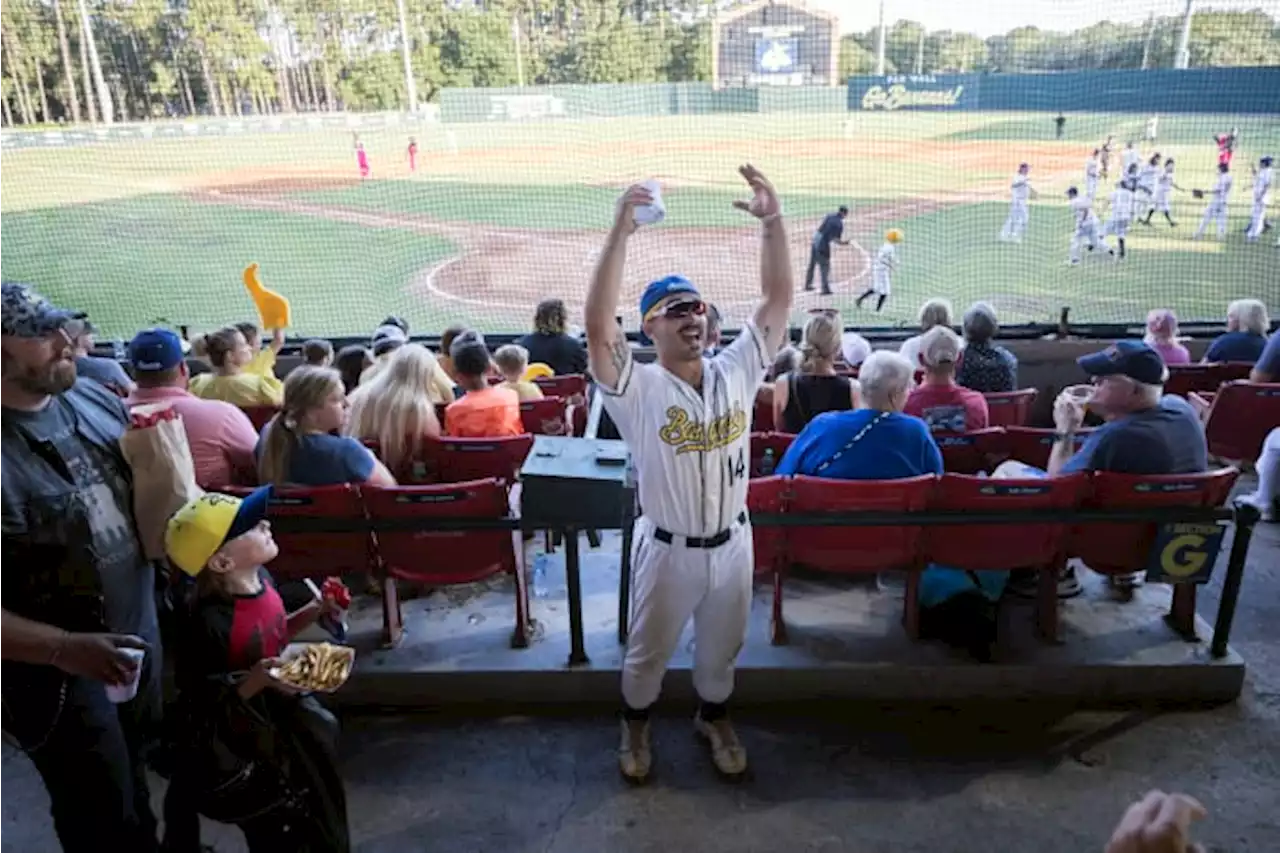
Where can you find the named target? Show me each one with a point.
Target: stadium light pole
(515, 38)
(410, 85)
(1182, 59)
(880, 44)
(95, 63)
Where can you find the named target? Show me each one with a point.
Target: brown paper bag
(164, 474)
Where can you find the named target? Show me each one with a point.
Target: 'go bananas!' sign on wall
(913, 92)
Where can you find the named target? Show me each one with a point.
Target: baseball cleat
(634, 756)
(727, 753)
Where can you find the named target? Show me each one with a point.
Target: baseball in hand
(649, 214)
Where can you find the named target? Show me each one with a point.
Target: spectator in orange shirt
(484, 411)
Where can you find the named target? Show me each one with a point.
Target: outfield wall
(1198, 90)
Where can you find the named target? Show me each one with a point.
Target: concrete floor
(832, 777)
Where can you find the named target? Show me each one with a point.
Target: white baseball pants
(1086, 235)
(1215, 212)
(1118, 227)
(1091, 187)
(880, 282)
(1016, 223)
(1258, 218)
(672, 583)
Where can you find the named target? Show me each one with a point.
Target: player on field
(1104, 153)
(1227, 145)
(886, 261)
(362, 160)
(1121, 214)
(413, 154)
(1262, 183)
(1086, 225)
(1130, 158)
(1020, 192)
(1092, 170)
(1216, 209)
(1164, 189)
(1148, 175)
(1153, 128)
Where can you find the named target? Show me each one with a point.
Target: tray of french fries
(316, 667)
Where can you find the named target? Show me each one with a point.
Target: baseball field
(500, 215)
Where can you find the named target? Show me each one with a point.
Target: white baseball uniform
(882, 269)
(693, 463)
(1216, 209)
(1020, 191)
(1121, 212)
(1092, 170)
(1131, 157)
(1086, 233)
(1164, 191)
(1153, 128)
(1147, 177)
(1261, 189)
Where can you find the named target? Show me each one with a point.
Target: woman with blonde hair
(231, 381)
(801, 395)
(396, 408)
(1162, 336)
(300, 446)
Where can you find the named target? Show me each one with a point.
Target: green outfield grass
(125, 231)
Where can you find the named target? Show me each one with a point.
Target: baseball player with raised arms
(1086, 231)
(687, 421)
(1262, 182)
(1092, 171)
(1164, 191)
(1216, 209)
(1104, 153)
(1019, 191)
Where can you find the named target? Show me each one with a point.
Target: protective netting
(240, 131)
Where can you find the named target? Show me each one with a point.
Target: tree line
(108, 60)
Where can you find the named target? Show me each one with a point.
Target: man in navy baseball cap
(672, 311)
(1133, 359)
(154, 350)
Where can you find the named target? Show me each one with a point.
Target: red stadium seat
(778, 442)
(571, 386)
(320, 554)
(1121, 548)
(1241, 416)
(1186, 378)
(1010, 408)
(762, 416)
(443, 557)
(260, 416)
(458, 460)
(1033, 446)
(856, 550)
(548, 416)
(971, 452)
(768, 495)
(1017, 545)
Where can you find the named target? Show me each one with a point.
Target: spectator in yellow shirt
(230, 381)
(513, 360)
(263, 362)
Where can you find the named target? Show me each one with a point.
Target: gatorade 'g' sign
(1184, 553)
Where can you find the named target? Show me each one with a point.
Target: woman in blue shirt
(1246, 335)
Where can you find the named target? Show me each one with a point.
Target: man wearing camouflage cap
(77, 589)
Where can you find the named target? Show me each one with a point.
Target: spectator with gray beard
(77, 589)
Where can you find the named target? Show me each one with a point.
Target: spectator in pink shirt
(220, 435)
(938, 400)
(1162, 336)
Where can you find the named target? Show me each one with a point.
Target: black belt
(667, 537)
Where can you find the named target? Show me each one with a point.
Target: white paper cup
(119, 693)
(648, 214)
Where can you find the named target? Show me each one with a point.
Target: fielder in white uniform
(1216, 209)
(1147, 178)
(1086, 222)
(1130, 157)
(1092, 171)
(882, 267)
(1164, 191)
(1262, 182)
(1020, 192)
(1122, 201)
(687, 420)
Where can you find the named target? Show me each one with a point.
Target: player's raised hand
(624, 219)
(764, 201)
(1158, 823)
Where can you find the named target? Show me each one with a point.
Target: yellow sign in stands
(1184, 553)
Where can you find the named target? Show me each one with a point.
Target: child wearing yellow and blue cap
(251, 742)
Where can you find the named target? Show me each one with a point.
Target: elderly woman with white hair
(986, 367)
(935, 312)
(1246, 334)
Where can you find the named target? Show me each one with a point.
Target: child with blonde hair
(512, 361)
(1162, 336)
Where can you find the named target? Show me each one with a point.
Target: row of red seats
(1187, 378)
(1108, 548)
(1006, 408)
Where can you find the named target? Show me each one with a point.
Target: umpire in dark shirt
(830, 231)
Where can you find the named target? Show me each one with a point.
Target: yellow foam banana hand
(273, 309)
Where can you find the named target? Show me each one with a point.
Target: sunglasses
(682, 308)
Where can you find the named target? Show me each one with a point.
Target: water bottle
(540, 576)
(767, 463)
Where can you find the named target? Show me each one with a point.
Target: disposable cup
(119, 693)
(1080, 394)
(648, 214)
